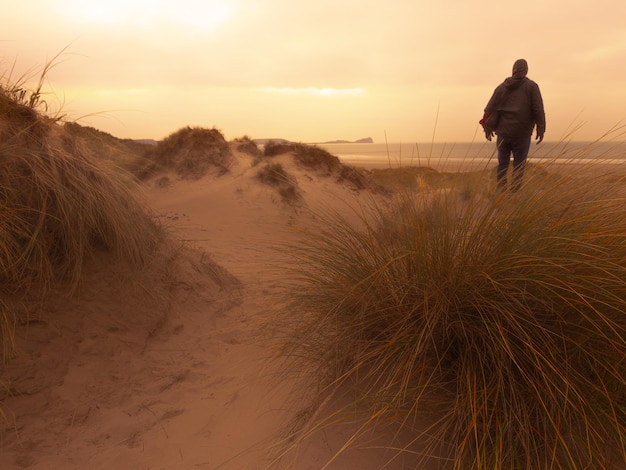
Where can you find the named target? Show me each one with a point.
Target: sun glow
(204, 15)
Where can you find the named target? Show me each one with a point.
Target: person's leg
(520, 148)
(504, 157)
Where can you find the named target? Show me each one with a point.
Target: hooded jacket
(520, 104)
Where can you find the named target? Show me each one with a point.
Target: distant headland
(365, 140)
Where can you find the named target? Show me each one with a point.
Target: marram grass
(57, 206)
(497, 318)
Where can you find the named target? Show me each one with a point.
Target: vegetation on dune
(490, 325)
(273, 174)
(323, 162)
(246, 145)
(191, 153)
(273, 148)
(309, 156)
(128, 154)
(414, 178)
(56, 207)
(316, 158)
(494, 320)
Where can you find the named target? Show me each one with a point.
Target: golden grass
(322, 162)
(129, 155)
(491, 325)
(191, 152)
(57, 206)
(274, 174)
(246, 145)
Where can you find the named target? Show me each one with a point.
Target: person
(513, 111)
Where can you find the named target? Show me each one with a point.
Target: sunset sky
(319, 70)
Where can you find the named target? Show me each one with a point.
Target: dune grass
(246, 145)
(56, 207)
(191, 152)
(490, 325)
(127, 154)
(275, 175)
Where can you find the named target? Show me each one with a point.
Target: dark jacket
(520, 104)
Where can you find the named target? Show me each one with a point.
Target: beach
(273, 235)
(470, 156)
(178, 365)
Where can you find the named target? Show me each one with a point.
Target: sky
(318, 70)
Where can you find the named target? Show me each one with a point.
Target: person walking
(513, 111)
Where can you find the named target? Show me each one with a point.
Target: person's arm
(539, 115)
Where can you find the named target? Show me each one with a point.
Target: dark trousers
(519, 147)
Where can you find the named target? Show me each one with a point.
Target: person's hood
(520, 68)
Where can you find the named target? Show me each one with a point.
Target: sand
(168, 368)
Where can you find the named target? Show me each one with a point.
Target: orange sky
(319, 70)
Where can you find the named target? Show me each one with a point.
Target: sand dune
(174, 368)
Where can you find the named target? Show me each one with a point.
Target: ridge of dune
(171, 368)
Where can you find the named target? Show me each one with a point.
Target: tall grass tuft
(56, 207)
(491, 325)
(191, 152)
(274, 174)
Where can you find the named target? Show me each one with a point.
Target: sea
(457, 156)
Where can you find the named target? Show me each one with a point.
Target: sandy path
(109, 381)
(247, 241)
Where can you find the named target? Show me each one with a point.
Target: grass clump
(191, 152)
(57, 206)
(275, 147)
(324, 163)
(490, 325)
(311, 157)
(316, 158)
(246, 145)
(128, 154)
(417, 178)
(274, 174)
